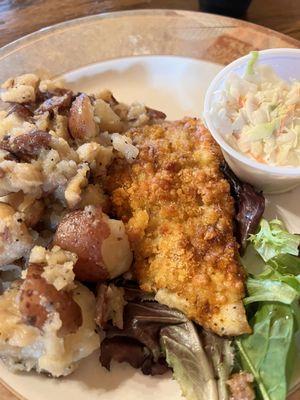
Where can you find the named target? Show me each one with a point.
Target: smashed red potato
(38, 299)
(55, 149)
(56, 103)
(15, 238)
(28, 146)
(81, 119)
(100, 243)
(42, 135)
(83, 233)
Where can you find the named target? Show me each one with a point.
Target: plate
(167, 60)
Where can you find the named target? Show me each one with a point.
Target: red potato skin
(83, 233)
(81, 119)
(59, 103)
(35, 290)
(28, 145)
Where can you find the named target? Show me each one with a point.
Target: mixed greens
(249, 206)
(185, 353)
(273, 309)
(272, 240)
(156, 338)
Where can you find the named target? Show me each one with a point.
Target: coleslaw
(259, 115)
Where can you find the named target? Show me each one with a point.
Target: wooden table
(20, 17)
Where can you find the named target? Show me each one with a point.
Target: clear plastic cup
(270, 179)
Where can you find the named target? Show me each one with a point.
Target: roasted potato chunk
(39, 298)
(31, 208)
(81, 119)
(100, 243)
(15, 238)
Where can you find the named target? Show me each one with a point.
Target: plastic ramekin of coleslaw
(252, 109)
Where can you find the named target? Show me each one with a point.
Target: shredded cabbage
(259, 114)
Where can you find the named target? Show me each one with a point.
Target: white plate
(176, 86)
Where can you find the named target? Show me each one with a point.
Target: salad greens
(270, 290)
(272, 239)
(273, 302)
(191, 368)
(249, 205)
(201, 361)
(221, 353)
(285, 264)
(265, 352)
(155, 337)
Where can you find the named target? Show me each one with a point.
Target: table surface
(20, 17)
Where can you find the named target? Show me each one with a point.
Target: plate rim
(25, 40)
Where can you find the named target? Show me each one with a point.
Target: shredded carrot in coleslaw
(259, 114)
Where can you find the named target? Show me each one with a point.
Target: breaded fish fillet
(179, 215)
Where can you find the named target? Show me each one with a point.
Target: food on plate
(273, 262)
(38, 154)
(189, 278)
(100, 243)
(249, 206)
(145, 195)
(205, 365)
(272, 240)
(259, 114)
(154, 338)
(241, 386)
(37, 295)
(16, 239)
(47, 318)
(55, 147)
(178, 213)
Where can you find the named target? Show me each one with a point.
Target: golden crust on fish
(179, 218)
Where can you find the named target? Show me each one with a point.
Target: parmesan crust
(179, 219)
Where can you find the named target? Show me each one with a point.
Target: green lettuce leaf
(186, 356)
(274, 284)
(221, 353)
(272, 239)
(252, 261)
(286, 264)
(273, 274)
(270, 290)
(264, 353)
